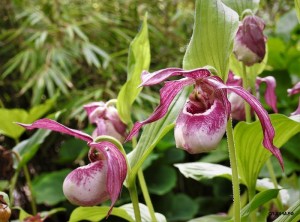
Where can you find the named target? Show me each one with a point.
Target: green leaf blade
(138, 60)
(251, 154)
(212, 40)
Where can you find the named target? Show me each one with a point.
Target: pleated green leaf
(251, 154)
(241, 5)
(214, 30)
(138, 60)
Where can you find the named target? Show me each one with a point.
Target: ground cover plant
(150, 111)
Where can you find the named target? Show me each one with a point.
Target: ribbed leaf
(138, 60)
(240, 5)
(294, 214)
(251, 155)
(212, 40)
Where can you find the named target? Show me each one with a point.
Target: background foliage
(56, 56)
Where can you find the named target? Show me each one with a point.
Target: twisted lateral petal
(167, 94)
(86, 185)
(270, 96)
(55, 126)
(161, 75)
(297, 111)
(116, 168)
(262, 114)
(294, 90)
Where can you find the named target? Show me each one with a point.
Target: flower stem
(246, 87)
(146, 195)
(28, 181)
(235, 176)
(144, 189)
(274, 180)
(135, 201)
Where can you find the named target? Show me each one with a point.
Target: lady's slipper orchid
(237, 103)
(107, 119)
(96, 182)
(250, 43)
(202, 122)
(293, 91)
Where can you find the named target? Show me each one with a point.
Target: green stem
(246, 87)
(235, 176)
(144, 189)
(146, 195)
(13, 183)
(28, 181)
(274, 180)
(135, 201)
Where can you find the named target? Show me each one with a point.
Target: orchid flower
(100, 180)
(202, 122)
(237, 103)
(293, 91)
(250, 43)
(107, 119)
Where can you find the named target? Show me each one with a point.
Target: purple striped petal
(161, 75)
(270, 95)
(167, 94)
(262, 114)
(57, 127)
(149, 79)
(116, 168)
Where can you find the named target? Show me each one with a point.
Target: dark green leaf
(48, 187)
(161, 179)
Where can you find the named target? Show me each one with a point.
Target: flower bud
(107, 119)
(202, 123)
(86, 185)
(250, 42)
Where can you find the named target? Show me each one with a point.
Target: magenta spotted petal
(198, 132)
(98, 181)
(86, 185)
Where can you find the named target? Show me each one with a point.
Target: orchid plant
(199, 101)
